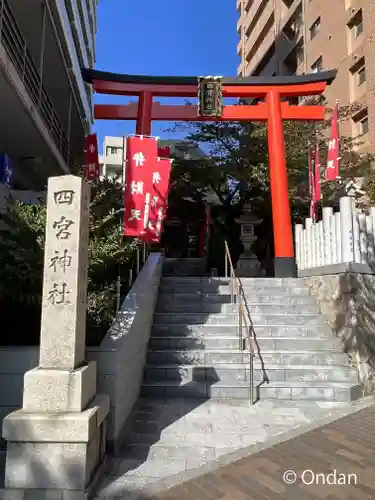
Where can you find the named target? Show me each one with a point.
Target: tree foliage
(22, 254)
(239, 151)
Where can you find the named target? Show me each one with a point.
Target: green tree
(240, 151)
(22, 254)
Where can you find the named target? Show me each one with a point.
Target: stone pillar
(56, 441)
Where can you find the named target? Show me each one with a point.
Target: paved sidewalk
(181, 436)
(336, 461)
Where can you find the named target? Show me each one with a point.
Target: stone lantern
(248, 264)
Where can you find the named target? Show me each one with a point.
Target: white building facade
(46, 106)
(112, 158)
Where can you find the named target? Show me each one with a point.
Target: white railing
(346, 236)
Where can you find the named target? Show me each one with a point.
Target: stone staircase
(194, 346)
(194, 406)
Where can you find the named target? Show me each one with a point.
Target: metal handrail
(238, 297)
(14, 43)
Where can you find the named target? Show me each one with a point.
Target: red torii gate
(273, 110)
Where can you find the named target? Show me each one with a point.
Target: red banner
(205, 232)
(333, 156)
(158, 199)
(92, 170)
(311, 171)
(164, 152)
(146, 190)
(317, 190)
(313, 210)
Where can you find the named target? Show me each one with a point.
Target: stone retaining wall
(348, 302)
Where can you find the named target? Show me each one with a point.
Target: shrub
(21, 265)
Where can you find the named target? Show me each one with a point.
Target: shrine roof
(90, 75)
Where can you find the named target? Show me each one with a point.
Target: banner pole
(123, 164)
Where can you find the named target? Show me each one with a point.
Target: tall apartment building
(45, 107)
(285, 37)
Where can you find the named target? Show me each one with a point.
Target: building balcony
(87, 27)
(264, 23)
(258, 56)
(63, 48)
(42, 122)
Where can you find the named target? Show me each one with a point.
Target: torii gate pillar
(284, 263)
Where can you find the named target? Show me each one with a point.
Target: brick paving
(173, 439)
(345, 449)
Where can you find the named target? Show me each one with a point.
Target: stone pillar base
(57, 390)
(55, 455)
(249, 268)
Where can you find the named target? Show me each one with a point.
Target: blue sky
(168, 37)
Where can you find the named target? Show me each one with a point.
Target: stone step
(166, 330)
(208, 298)
(213, 356)
(306, 319)
(201, 308)
(283, 390)
(232, 342)
(240, 372)
(156, 450)
(246, 282)
(186, 288)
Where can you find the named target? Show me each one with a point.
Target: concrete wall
(120, 357)
(348, 302)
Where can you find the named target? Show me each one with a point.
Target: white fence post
(333, 239)
(297, 236)
(362, 237)
(314, 237)
(309, 253)
(303, 248)
(370, 239)
(356, 242)
(320, 243)
(346, 229)
(338, 255)
(327, 217)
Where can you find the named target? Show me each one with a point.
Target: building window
(317, 66)
(357, 25)
(111, 150)
(315, 28)
(363, 126)
(361, 122)
(361, 75)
